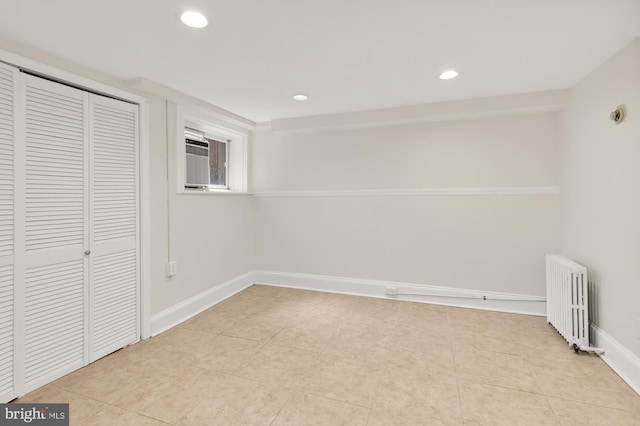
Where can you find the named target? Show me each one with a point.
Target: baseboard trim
(192, 306)
(618, 357)
(492, 301)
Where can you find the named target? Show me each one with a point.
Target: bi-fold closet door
(69, 275)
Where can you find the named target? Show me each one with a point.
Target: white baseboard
(503, 302)
(619, 358)
(192, 306)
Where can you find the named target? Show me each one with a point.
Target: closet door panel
(114, 231)
(7, 88)
(55, 169)
(55, 230)
(54, 321)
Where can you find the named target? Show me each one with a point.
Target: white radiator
(568, 301)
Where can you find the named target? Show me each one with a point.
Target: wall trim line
(448, 296)
(192, 306)
(494, 106)
(492, 191)
(619, 358)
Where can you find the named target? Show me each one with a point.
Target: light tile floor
(275, 356)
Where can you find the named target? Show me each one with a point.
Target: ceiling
(347, 55)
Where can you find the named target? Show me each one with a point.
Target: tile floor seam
(509, 388)
(462, 410)
(114, 405)
(546, 395)
(129, 411)
(546, 398)
(460, 400)
(243, 378)
(91, 417)
(375, 393)
(82, 395)
(333, 399)
(307, 392)
(593, 404)
(585, 401)
(280, 410)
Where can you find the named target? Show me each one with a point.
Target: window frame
(210, 138)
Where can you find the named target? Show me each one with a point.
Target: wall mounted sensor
(618, 115)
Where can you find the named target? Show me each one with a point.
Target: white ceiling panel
(347, 55)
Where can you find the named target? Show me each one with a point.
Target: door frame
(144, 178)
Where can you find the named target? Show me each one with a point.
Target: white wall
(482, 242)
(601, 191)
(485, 152)
(210, 235)
(211, 241)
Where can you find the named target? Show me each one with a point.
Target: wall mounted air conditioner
(197, 153)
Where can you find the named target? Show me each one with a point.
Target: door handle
(87, 252)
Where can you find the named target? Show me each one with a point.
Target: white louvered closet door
(8, 77)
(55, 230)
(69, 229)
(114, 231)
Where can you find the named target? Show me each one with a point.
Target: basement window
(206, 160)
(211, 155)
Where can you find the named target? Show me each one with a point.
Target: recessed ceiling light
(300, 97)
(194, 19)
(448, 75)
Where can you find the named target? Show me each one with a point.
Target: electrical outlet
(172, 268)
(391, 290)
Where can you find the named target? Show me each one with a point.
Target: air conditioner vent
(197, 153)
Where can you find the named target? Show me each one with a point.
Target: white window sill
(213, 192)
